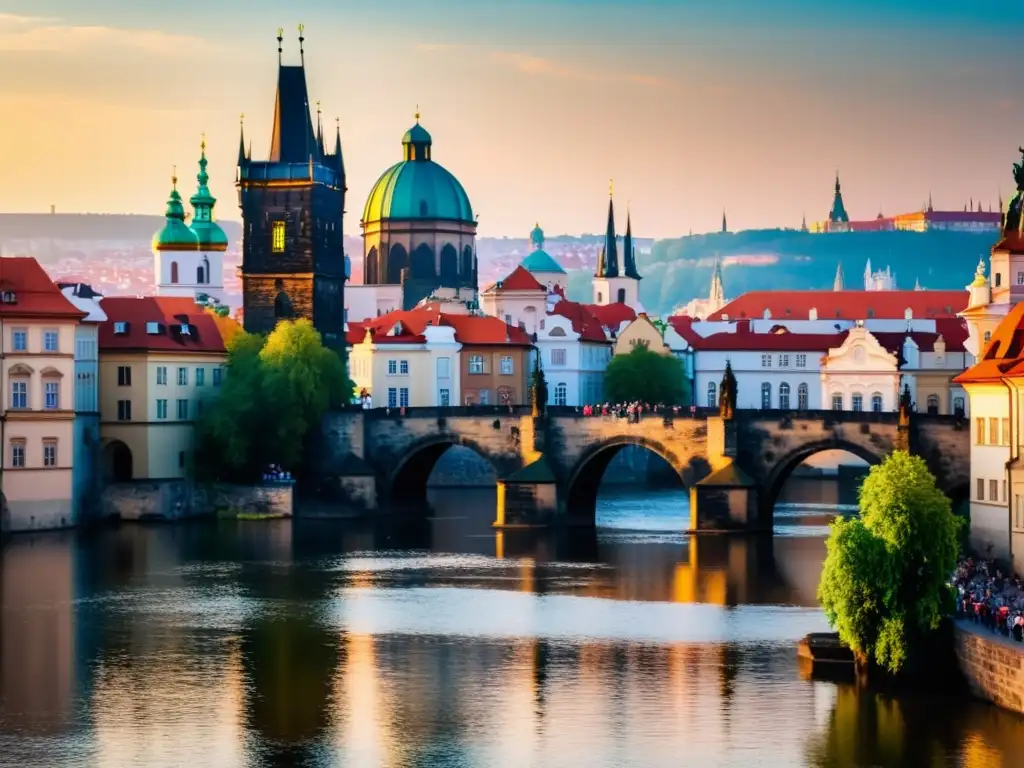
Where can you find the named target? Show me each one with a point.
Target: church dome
(176, 235)
(208, 232)
(539, 260)
(417, 187)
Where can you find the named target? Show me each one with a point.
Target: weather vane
(417, 113)
(611, 187)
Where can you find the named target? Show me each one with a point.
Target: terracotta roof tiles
(171, 312)
(31, 293)
(845, 305)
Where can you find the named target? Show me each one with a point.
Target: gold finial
(174, 176)
(241, 119)
(611, 187)
(202, 143)
(280, 33)
(417, 113)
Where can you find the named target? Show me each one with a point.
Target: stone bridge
(549, 466)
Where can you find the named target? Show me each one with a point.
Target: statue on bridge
(1013, 221)
(727, 393)
(538, 389)
(906, 406)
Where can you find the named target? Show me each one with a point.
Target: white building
(860, 375)
(519, 299)
(574, 356)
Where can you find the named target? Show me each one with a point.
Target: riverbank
(992, 664)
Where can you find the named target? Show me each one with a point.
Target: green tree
(885, 585)
(645, 376)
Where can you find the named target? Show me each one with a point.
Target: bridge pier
(528, 498)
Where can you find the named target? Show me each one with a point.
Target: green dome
(541, 261)
(208, 233)
(417, 187)
(176, 235)
(537, 236)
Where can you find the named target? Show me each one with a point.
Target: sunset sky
(691, 106)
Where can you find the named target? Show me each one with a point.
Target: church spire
(838, 213)
(930, 208)
(338, 157)
(628, 251)
(837, 285)
(803, 223)
(319, 132)
(292, 139)
(725, 226)
(717, 295)
(241, 140)
(608, 260)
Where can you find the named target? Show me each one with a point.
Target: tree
(275, 392)
(645, 376)
(885, 585)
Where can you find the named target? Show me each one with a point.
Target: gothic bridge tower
(293, 261)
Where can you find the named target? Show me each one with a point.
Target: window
(933, 404)
(981, 489)
(392, 397)
(403, 397)
(403, 367)
(392, 367)
(783, 361)
(17, 453)
(182, 377)
(993, 490)
(1020, 281)
(999, 279)
(161, 375)
(506, 366)
(958, 406)
(508, 319)
(444, 367)
(124, 410)
(19, 394)
(993, 431)
(49, 452)
(876, 402)
(784, 396)
(837, 402)
(801, 361)
(200, 377)
(51, 341)
(476, 364)
(124, 375)
(712, 395)
(161, 409)
(19, 340)
(1006, 432)
(801, 396)
(120, 329)
(558, 357)
(217, 373)
(766, 395)
(183, 409)
(766, 361)
(1003, 497)
(277, 237)
(446, 398)
(988, 336)
(622, 296)
(857, 401)
(979, 431)
(51, 395)
(561, 394)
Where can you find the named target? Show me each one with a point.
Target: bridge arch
(406, 481)
(584, 479)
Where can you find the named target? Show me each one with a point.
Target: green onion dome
(176, 235)
(208, 233)
(540, 260)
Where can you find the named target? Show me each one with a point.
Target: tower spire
(725, 226)
(302, 40)
(628, 251)
(838, 213)
(930, 208)
(241, 139)
(319, 131)
(837, 285)
(608, 259)
(717, 295)
(338, 158)
(280, 46)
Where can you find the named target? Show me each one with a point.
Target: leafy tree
(645, 376)
(275, 392)
(885, 584)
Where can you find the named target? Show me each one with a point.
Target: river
(443, 643)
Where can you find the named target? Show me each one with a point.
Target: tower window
(277, 237)
(622, 295)
(174, 272)
(999, 279)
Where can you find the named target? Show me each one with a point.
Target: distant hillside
(79, 227)
(678, 270)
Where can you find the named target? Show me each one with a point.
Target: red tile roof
(845, 305)
(171, 312)
(611, 316)
(1004, 354)
(782, 340)
(35, 294)
(582, 319)
(683, 325)
(518, 280)
(469, 329)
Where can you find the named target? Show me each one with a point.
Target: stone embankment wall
(993, 666)
(176, 500)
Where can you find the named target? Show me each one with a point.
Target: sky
(691, 106)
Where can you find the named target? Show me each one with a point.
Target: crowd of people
(634, 411)
(274, 474)
(987, 596)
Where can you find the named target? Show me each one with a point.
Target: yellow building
(37, 416)
(159, 357)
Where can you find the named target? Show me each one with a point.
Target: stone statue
(538, 389)
(905, 406)
(1014, 217)
(727, 393)
(1018, 171)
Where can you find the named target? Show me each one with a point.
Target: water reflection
(442, 643)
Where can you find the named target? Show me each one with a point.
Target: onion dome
(417, 187)
(208, 233)
(176, 235)
(539, 260)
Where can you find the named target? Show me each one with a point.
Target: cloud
(38, 34)
(544, 67)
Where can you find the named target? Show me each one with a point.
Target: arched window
(174, 272)
(958, 406)
(784, 396)
(398, 259)
(857, 401)
(876, 402)
(801, 397)
(466, 266)
(766, 395)
(370, 271)
(622, 296)
(933, 404)
(712, 395)
(423, 262)
(203, 272)
(282, 306)
(561, 394)
(449, 266)
(837, 402)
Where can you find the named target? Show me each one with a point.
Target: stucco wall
(993, 666)
(174, 500)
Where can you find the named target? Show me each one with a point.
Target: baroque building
(419, 230)
(293, 261)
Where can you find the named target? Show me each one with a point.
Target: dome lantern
(416, 142)
(176, 235)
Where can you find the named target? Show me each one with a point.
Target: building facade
(160, 358)
(38, 328)
(293, 259)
